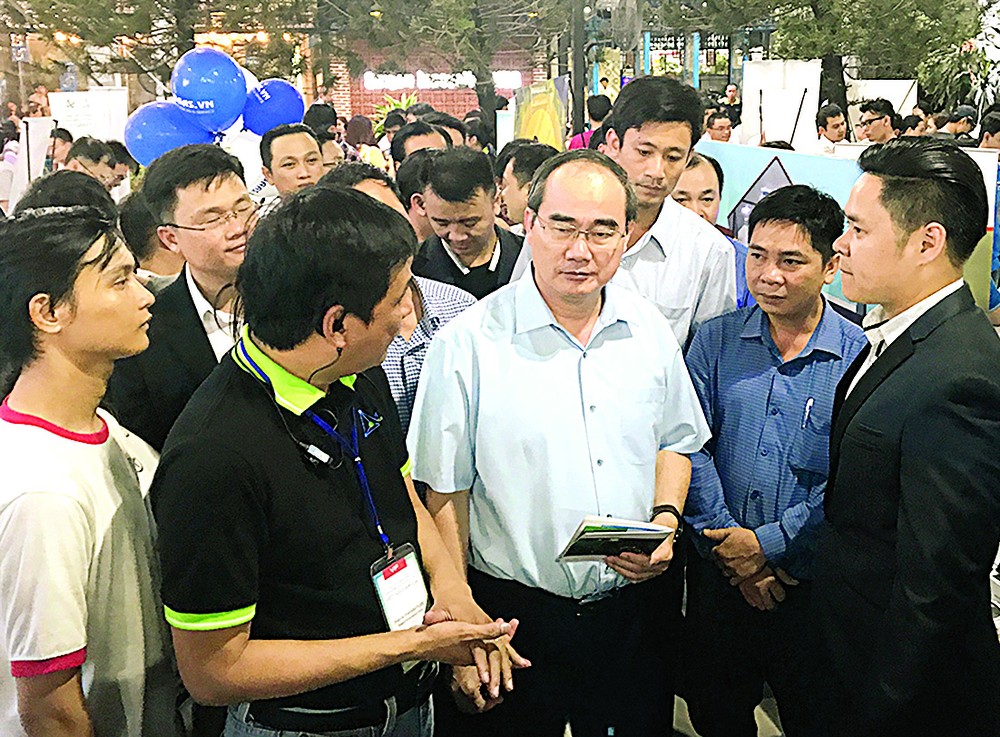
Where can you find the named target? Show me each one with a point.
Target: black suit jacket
(431, 261)
(901, 595)
(147, 392)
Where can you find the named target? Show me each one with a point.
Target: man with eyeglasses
(198, 196)
(877, 120)
(532, 378)
(95, 159)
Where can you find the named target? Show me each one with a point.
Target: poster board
(751, 172)
(100, 112)
(33, 148)
(540, 112)
(776, 94)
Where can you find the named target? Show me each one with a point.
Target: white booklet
(598, 537)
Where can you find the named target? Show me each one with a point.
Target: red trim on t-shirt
(30, 668)
(19, 418)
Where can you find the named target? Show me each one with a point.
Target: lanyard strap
(350, 446)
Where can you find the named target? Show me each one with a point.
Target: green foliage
(390, 104)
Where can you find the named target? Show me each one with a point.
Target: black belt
(417, 688)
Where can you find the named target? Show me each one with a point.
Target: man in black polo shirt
(467, 248)
(284, 499)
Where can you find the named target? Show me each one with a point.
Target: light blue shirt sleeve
(684, 429)
(441, 436)
(706, 503)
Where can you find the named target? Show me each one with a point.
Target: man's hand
(494, 661)
(639, 567)
(738, 553)
(468, 692)
(763, 591)
(455, 643)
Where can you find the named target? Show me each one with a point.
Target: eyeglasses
(866, 123)
(242, 214)
(565, 233)
(108, 181)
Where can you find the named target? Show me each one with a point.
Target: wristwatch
(670, 508)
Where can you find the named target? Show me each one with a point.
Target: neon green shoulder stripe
(206, 622)
(407, 467)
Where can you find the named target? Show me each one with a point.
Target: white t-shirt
(79, 579)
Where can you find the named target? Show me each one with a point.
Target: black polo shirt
(252, 530)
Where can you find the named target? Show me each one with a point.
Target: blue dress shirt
(544, 430)
(767, 464)
(743, 296)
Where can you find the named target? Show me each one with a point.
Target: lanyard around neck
(350, 446)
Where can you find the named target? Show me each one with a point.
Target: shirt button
(585, 354)
(600, 462)
(774, 410)
(593, 408)
(755, 494)
(763, 451)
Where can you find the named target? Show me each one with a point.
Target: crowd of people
(306, 466)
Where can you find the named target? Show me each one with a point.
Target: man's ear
(168, 238)
(830, 268)
(333, 326)
(612, 143)
(417, 203)
(45, 316)
(933, 242)
(267, 174)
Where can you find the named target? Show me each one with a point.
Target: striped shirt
(405, 358)
(766, 466)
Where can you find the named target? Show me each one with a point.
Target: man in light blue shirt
(766, 377)
(557, 397)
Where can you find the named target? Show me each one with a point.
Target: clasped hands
(477, 687)
(741, 558)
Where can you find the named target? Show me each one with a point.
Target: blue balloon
(272, 103)
(158, 127)
(210, 87)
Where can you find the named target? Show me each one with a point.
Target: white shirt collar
(465, 269)
(659, 232)
(206, 312)
(879, 330)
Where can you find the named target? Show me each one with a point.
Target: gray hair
(581, 155)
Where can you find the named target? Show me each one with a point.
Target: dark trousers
(732, 649)
(607, 668)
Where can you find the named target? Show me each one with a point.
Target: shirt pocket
(809, 458)
(640, 410)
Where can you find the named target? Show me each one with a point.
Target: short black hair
(698, 159)
(138, 226)
(410, 130)
(657, 100)
(66, 188)
(598, 107)
(91, 149)
(198, 163)
(815, 213)
(990, 124)
(455, 174)
(879, 106)
(477, 127)
(411, 177)
(826, 113)
(604, 79)
(122, 156)
(288, 129)
(528, 158)
(598, 136)
(910, 122)
(420, 109)
(320, 117)
(443, 120)
(717, 116)
(351, 173)
(43, 253)
(394, 119)
(536, 194)
(507, 152)
(931, 180)
(61, 134)
(323, 247)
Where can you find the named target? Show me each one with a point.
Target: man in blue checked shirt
(766, 377)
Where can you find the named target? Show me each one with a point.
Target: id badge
(399, 585)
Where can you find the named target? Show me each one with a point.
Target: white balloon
(245, 146)
(252, 81)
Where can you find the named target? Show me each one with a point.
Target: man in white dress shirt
(560, 396)
(673, 258)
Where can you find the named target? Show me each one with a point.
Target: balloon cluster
(213, 96)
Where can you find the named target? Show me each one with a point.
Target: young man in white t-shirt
(83, 649)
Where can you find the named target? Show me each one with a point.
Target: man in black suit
(901, 595)
(467, 249)
(198, 196)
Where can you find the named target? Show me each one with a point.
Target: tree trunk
(185, 12)
(486, 93)
(831, 84)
